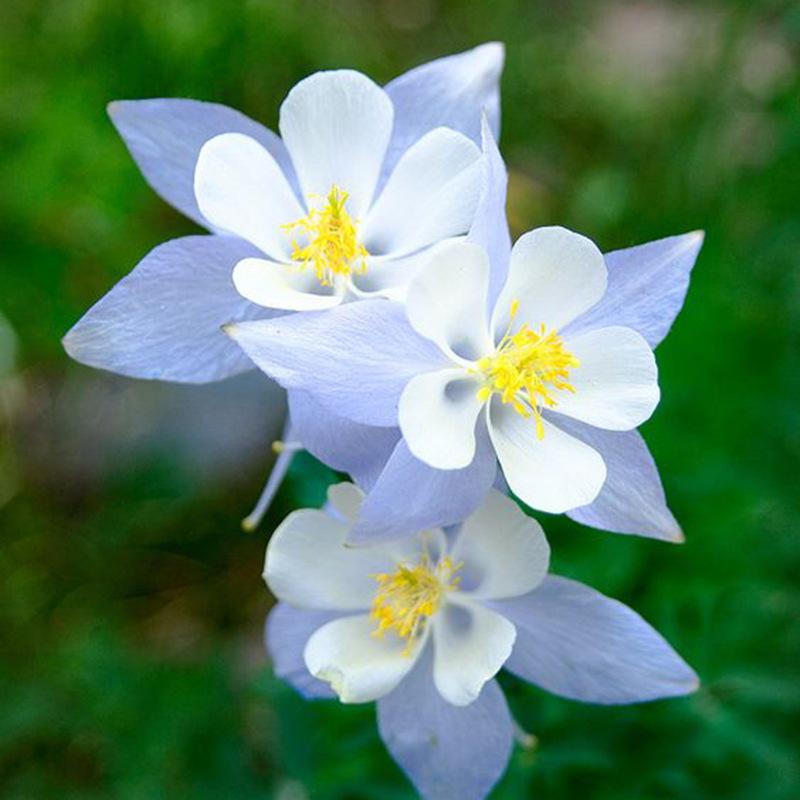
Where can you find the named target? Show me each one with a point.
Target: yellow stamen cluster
(333, 247)
(526, 368)
(406, 598)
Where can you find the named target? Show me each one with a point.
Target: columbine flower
(423, 627)
(551, 382)
(364, 180)
(519, 371)
(341, 236)
(377, 457)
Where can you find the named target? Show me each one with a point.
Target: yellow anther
(526, 369)
(332, 240)
(406, 598)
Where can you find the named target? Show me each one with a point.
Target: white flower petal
(437, 414)
(555, 274)
(616, 384)
(446, 302)
(556, 473)
(409, 550)
(346, 499)
(241, 189)
(390, 276)
(471, 644)
(504, 551)
(359, 666)
(431, 195)
(308, 565)
(336, 126)
(283, 286)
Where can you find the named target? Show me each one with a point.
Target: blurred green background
(131, 604)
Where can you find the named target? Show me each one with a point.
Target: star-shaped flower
(541, 373)
(424, 626)
(517, 373)
(360, 186)
(342, 236)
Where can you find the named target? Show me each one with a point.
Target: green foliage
(131, 604)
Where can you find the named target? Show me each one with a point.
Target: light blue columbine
(163, 320)
(586, 459)
(416, 156)
(424, 626)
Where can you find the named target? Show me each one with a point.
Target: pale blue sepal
(163, 321)
(410, 496)
(354, 360)
(286, 633)
(359, 450)
(632, 499)
(448, 752)
(450, 92)
(577, 643)
(164, 136)
(647, 285)
(490, 226)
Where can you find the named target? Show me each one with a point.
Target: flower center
(526, 369)
(332, 240)
(406, 598)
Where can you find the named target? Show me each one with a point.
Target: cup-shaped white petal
(360, 667)
(389, 276)
(346, 499)
(336, 126)
(616, 384)
(503, 552)
(437, 416)
(410, 549)
(308, 565)
(471, 644)
(555, 473)
(282, 286)
(555, 275)
(447, 300)
(241, 189)
(431, 195)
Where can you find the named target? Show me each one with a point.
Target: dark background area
(131, 604)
